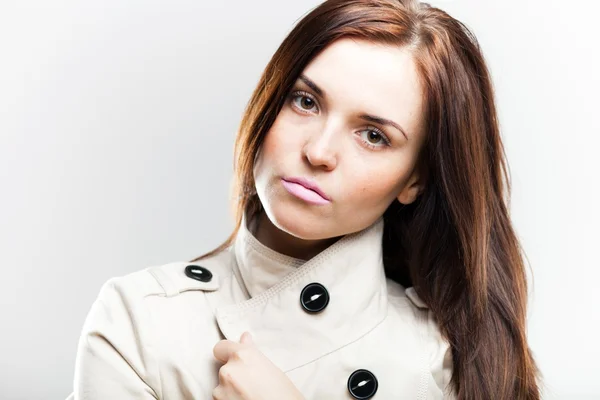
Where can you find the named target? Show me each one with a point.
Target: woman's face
(330, 132)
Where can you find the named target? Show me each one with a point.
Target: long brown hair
(455, 244)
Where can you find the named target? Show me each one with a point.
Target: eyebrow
(366, 117)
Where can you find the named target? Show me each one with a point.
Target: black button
(314, 297)
(362, 384)
(198, 273)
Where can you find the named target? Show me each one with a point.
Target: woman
(373, 254)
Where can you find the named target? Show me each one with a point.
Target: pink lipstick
(305, 190)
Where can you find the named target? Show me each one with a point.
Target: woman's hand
(247, 374)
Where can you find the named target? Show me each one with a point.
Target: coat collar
(260, 267)
(351, 270)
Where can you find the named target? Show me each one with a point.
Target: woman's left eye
(374, 138)
(306, 103)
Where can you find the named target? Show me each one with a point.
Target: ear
(413, 188)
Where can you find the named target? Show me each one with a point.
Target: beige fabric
(150, 334)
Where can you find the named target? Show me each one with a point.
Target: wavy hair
(455, 243)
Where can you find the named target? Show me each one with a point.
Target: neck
(282, 242)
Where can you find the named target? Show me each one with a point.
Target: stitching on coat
(152, 272)
(297, 275)
(267, 252)
(151, 347)
(347, 344)
(425, 370)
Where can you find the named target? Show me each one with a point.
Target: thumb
(246, 338)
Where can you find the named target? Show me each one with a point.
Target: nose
(320, 149)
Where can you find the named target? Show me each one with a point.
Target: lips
(308, 184)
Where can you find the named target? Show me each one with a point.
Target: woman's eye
(373, 138)
(303, 102)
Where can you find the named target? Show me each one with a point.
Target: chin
(298, 221)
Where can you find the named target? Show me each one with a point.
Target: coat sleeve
(114, 359)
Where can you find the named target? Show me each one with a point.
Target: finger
(226, 393)
(246, 338)
(218, 393)
(224, 349)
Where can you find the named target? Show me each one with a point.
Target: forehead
(367, 77)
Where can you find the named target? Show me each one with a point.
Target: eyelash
(302, 93)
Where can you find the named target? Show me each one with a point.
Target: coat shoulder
(400, 296)
(183, 276)
(407, 304)
(173, 278)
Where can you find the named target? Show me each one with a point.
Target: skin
(323, 138)
(247, 374)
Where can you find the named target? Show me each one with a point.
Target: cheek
(376, 188)
(282, 141)
(272, 144)
(376, 185)
(271, 155)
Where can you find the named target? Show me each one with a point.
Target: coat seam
(424, 384)
(152, 347)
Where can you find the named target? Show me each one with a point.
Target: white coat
(150, 334)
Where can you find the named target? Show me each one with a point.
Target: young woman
(373, 254)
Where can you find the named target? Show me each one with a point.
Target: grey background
(117, 121)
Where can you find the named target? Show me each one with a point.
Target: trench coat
(334, 324)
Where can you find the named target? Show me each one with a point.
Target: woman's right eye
(303, 101)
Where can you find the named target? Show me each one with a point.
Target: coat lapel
(351, 270)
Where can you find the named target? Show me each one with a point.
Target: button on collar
(362, 384)
(198, 273)
(314, 297)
